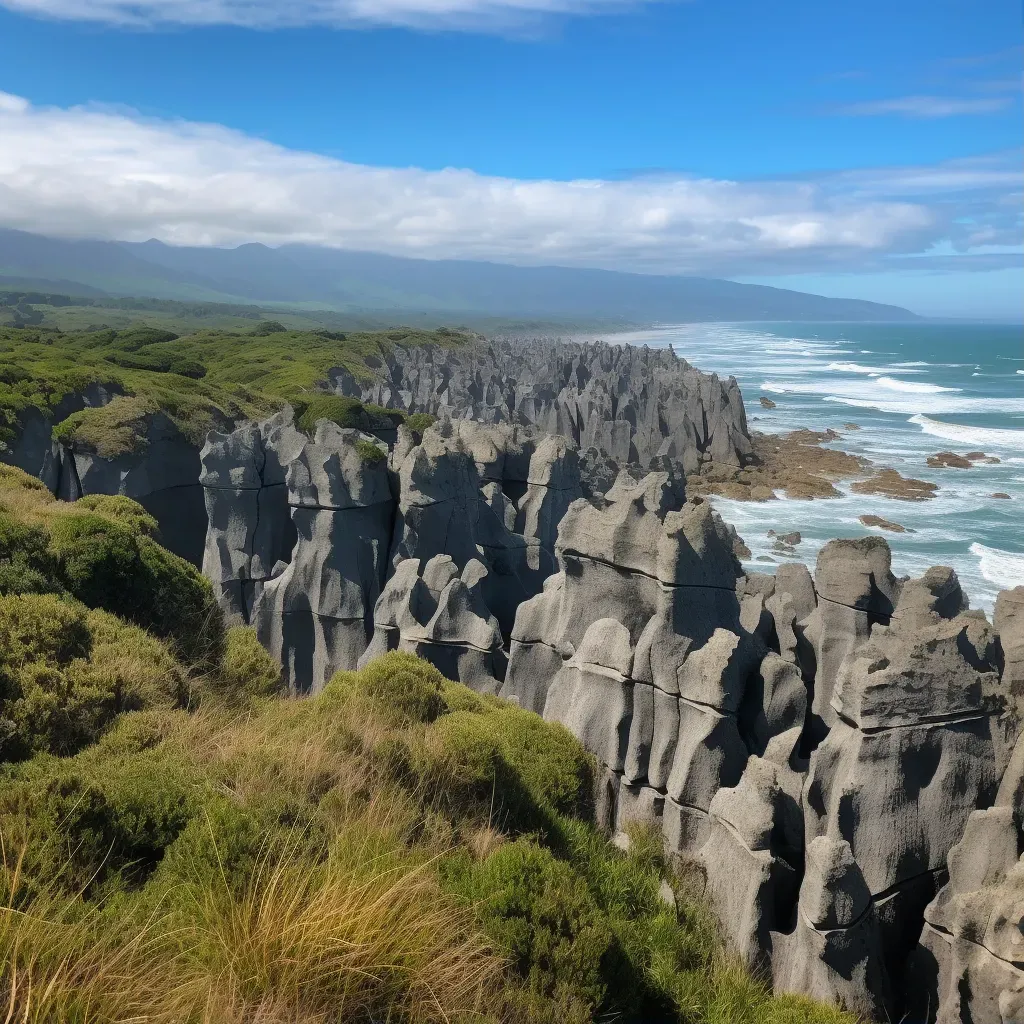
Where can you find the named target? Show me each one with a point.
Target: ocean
(914, 390)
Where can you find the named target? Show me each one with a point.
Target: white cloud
(926, 106)
(93, 172)
(472, 14)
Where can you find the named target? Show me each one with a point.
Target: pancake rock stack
(315, 615)
(304, 533)
(438, 613)
(491, 491)
(246, 496)
(634, 403)
(970, 961)
(638, 646)
(818, 745)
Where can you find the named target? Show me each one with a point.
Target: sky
(869, 149)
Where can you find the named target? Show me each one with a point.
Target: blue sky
(869, 149)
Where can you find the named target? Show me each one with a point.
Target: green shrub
(346, 412)
(370, 452)
(420, 421)
(96, 825)
(522, 771)
(134, 338)
(160, 362)
(268, 327)
(111, 430)
(27, 566)
(106, 565)
(398, 687)
(124, 510)
(66, 673)
(247, 670)
(542, 915)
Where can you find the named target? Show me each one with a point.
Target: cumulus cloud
(926, 106)
(473, 14)
(94, 172)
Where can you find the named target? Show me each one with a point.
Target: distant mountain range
(309, 276)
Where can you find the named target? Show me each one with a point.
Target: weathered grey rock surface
(818, 744)
(433, 610)
(315, 613)
(969, 965)
(304, 533)
(246, 496)
(162, 474)
(633, 403)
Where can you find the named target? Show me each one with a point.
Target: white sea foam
(912, 386)
(871, 371)
(981, 437)
(1003, 568)
(865, 392)
(935, 405)
(855, 368)
(1020, 371)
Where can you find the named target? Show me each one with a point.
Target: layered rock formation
(969, 965)
(635, 404)
(818, 744)
(304, 532)
(433, 610)
(246, 497)
(315, 613)
(495, 491)
(638, 646)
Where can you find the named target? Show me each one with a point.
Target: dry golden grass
(352, 941)
(358, 937)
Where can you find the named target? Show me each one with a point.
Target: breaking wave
(980, 437)
(912, 387)
(913, 405)
(871, 371)
(1003, 568)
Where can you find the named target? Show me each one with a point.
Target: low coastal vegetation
(201, 381)
(180, 842)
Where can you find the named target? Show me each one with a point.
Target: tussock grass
(345, 941)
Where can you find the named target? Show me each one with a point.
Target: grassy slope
(178, 844)
(202, 380)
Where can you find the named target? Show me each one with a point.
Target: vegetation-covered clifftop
(201, 381)
(180, 843)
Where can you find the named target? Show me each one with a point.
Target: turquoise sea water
(914, 390)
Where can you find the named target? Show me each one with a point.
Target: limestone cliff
(634, 403)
